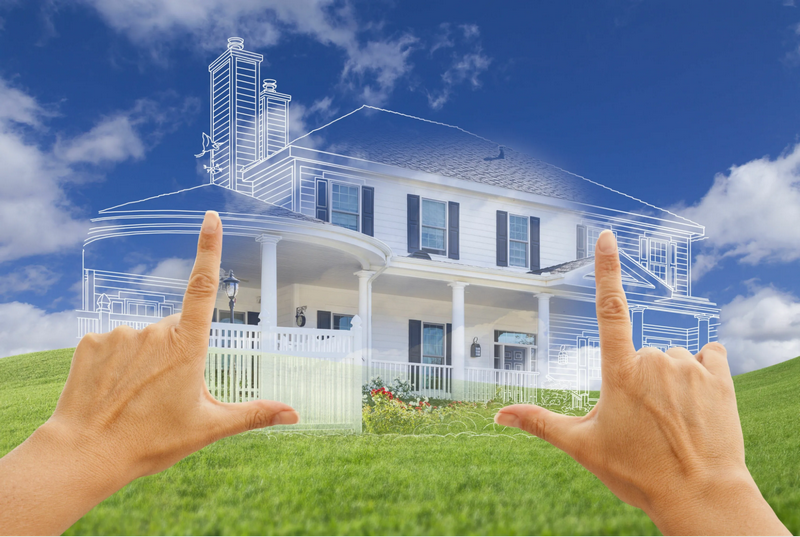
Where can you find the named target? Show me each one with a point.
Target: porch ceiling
(298, 262)
(391, 284)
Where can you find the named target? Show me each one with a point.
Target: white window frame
(334, 325)
(671, 271)
(434, 251)
(358, 203)
(526, 243)
(443, 326)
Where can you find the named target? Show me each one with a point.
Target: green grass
(295, 484)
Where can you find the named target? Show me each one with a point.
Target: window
(342, 322)
(514, 338)
(344, 206)
(224, 316)
(517, 241)
(434, 226)
(657, 258)
(140, 308)
(433, 344)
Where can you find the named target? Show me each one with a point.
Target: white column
(458, 351)
(364, 291)
(543, 336)
(268, 316)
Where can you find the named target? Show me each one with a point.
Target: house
(467, 263)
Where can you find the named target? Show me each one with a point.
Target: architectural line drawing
(402, 247)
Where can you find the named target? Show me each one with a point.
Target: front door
(514, 358)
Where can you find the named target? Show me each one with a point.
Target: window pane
(345, 198)
(350, 221)
(432, 238)
(518, 228)
(433, 213)
(515, 338)
(342, 322)
(592, 234)
(518, 254)
(433, 344)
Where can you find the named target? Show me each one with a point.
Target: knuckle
(202, 284)
(90, 341)
(257, 418)
(612, 306)
(649, 353)
(715, 346)
(534, 424)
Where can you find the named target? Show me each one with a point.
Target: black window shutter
(322, 200)
(502, 239)
(368, 210)
(535, 243)
(581, 242)
(452, 230)
(413, 223)
(414, 341)
(324, 319)
(448, 345)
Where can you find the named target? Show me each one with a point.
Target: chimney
(234, 112)
(273, 119)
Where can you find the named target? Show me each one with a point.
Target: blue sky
(103, 101)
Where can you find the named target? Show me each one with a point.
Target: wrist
(98, 473)
(727, 503)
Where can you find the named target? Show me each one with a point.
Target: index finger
(613, 318)
(201, 292)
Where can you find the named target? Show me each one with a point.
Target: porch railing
(514, 386)
(429, 380)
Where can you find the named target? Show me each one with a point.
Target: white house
(464, 260)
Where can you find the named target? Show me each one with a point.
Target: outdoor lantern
(231, 285)
(475, 349)
(300, 317)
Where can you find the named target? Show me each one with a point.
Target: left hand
(134, 404)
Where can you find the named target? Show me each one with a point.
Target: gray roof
(208, 197)
(413, 143)
(563, 268)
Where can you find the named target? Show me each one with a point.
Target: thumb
(235, 418)
(557, 429)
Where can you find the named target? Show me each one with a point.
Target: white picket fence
(318, 375)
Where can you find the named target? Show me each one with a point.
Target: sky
(691, 106)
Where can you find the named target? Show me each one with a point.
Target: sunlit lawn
(298, 484)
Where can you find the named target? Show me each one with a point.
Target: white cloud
(34, 278)
(36, 216)
(464, 66)
(760, 329)
(751, 213)
(114, 139)
(172, 267)
(26, 328)
(373, 64)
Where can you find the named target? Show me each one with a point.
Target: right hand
(665, 434)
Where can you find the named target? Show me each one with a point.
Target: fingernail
(606, 242)
(210, 222)
(285, 417)
(507, 418)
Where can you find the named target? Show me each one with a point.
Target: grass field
(293, 484)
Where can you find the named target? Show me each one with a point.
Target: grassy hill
(292, 484)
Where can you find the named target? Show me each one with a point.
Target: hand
(665, 434)
(134, 404)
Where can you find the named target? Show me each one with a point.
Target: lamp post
(231, 288)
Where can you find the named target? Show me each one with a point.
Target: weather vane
(209, 146)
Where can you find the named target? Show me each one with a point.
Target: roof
(563, 268)
(207, 197)
(413, 143)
